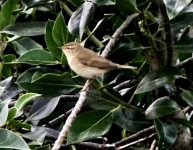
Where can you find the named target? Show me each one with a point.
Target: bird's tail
(126, 67)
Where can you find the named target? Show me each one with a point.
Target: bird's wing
(94, 60)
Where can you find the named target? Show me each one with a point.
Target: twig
(118, 33)
(135, 142)
(183, 63)
(135, 135)
(72, 116)
(153, 145)
(96, 145)
(69, 97)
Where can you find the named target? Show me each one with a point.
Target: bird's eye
(70, 48)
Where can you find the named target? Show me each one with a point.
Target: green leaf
(8, 139)
(184, 46)
(154, 80)
(187, 96)
(45, 147)
(25, 29)
(6, 13)
(129, 119)
(22, 45)
(80, 19)
(126, 6)
(18, 124)
(12, 113)
(166, 132)
(24, 99)
(97, 123)
(60, 31)
(50, 42)
(104, 2)
(37, 57)
(161, 107)
(46, 81)
(175, 7)
(3, 113)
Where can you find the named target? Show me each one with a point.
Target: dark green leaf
(161, 107)
(6, 13)
(80, 18)
(126, 6)
(35, 3)
(18, 124)
(129, 119)
(154, 80)
(25, 29)
(37, 57)
(60, 31)
(12, 113)
(97, 123)
(3, 113)
(46, 81)
(22, 45)
(166, 132)
(187, 96)
(175, 7)
(50, 42)
(8, 139)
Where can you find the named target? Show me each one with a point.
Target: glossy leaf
(60, 31)
(129, 119)
(24, 99)
(126, 6)
(166, 132)
(98, 123)
(175, 7)
(42, 108)
(12, 113)
(25, 29)
(50, 42)
(22, 45)
(6, 13)
(3, 113)
(8, 139)
(154, 80)
(36, 3)
(161, 107)
(37, 57)
(187, 96)
(46, 81)
(80, 18)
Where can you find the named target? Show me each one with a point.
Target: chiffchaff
(87, 63)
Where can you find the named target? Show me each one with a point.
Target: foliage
(38, 89)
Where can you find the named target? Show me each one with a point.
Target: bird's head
(71, 48)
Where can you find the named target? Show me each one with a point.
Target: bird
(88, 64)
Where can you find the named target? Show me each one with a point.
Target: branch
(183, 63)
(134, 135)
(135, 142)
(118, 34)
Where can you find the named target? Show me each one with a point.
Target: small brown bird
(87, 63)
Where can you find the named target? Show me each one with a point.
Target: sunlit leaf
(3, 113)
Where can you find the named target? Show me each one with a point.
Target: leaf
(36, 3)
(25, 29)
(22, 45)
(80, 18)
(46, 81)
(154, 80)
(37, 57)
(8, 139)
(166, 132)
(187, 96)
(6, 13)
(42, 107)
(3, 113)
(126, 6)
(184, 46)
(129, 119)
(98, 123)
(161, 107)
(104, 2)
(50, 42)
(175, 7)
(12, 113)
(24, 99)
(60, 31)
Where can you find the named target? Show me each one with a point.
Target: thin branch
(153, 145)
(135, 135)
(183, 63)
(135, 142)
(72, 116)
(118, 34)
